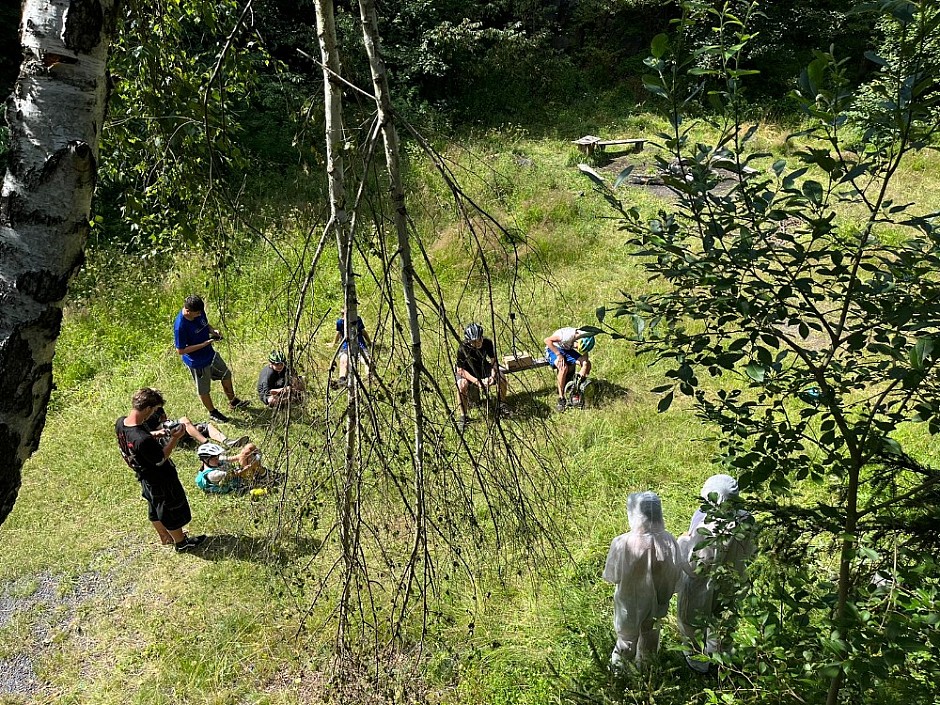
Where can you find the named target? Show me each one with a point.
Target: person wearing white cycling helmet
(567, 349)
(221, 474)
(476, 370)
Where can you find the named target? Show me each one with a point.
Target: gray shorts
(203, 377)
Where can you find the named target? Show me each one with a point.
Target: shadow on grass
(540, 403)
(222, 547)
(603, 392)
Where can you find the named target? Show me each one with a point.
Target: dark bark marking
(47, 287)
(16, 362)
(78, 152)
(10, 477)
(23, 381)
(14, 213)
(84, 20)
(49, 60)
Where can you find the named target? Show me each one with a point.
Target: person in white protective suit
(643, 564)
(713, 554)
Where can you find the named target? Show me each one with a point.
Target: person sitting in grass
(161, 428)
(276, 384)
(361, 337)
(221, 474)
(477, 369)
(566, 349)
(167, 505)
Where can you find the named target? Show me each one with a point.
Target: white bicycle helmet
(209, 450)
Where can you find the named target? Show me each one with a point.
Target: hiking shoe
(561, 405)
(235, 442)
(463, 422)
(237, 403)
(217, 415)
(189, 543)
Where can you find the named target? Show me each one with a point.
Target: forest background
(213, 181)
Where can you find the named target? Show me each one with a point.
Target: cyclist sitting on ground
(161, 428)
(220, 474)
(477, 369)
(276, 383)
(566, 349)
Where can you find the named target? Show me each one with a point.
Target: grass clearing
(234, 624)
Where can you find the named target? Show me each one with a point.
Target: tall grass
(225, 627)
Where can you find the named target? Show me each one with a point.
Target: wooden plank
(609, 143)
(589, 143)
(536, 363)
(586, 143)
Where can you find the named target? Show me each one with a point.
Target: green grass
(226, 628)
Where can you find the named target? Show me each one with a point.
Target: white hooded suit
(643, 564)
(711, 543)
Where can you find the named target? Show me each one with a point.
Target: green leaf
(755, 371)
(813, 190)
(659, 45)
(592, 175)
(921, 352)
(665, 403)
(639, 325)
(623, 176)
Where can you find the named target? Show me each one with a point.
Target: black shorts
(167, 503)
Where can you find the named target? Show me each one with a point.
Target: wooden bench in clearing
(589, 144)
(520, 361)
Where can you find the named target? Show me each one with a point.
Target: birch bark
(55, 116)
(348, 499)
(370, 33)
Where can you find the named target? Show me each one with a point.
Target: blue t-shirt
(341, 329)
(186, 333)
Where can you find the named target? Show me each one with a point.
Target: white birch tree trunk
(370, 32)
(55, 116)
(348, 499)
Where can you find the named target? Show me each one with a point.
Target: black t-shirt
(143, 453)
(477, 361)
(269, 379)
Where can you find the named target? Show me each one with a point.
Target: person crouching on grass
(277, 384)
(167, 506)
(220, 474)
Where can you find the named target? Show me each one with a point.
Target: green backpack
(203, 483)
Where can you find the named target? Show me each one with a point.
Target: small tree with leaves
(810, 296)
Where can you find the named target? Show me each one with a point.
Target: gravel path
(49, 607)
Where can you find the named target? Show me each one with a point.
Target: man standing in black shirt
(168, 508)
(477, 369)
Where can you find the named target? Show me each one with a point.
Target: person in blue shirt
(363, 339)
(193, 338)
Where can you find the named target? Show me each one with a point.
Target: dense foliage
(811, 295)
